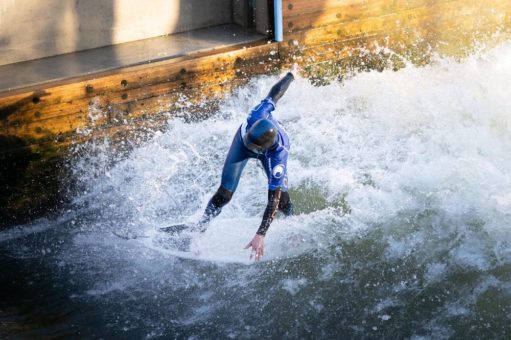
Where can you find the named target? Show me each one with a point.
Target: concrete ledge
(67, 66)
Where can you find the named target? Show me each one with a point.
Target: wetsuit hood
(261, 136)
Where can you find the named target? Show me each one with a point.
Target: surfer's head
(261, 136)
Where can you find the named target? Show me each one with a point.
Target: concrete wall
(262, 16)
(260, 13)
(32, 29)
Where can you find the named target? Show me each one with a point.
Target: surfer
(260, 137)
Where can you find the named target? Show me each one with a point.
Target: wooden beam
(50, 112)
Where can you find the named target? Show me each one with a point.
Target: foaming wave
(376, 147)
(401, 186)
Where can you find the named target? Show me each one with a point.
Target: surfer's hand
(257, 245)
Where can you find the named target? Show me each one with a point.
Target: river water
(402, 191)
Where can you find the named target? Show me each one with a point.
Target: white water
(402, 187)
(386, 144)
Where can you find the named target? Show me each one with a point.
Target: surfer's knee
(214, 207)
(221, 197)
(285, 204)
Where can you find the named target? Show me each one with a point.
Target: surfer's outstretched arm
(257, 242)
(269, 212)
(278, 90)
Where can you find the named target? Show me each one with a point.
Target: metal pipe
(277, 10)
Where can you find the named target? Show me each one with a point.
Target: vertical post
(277, 10)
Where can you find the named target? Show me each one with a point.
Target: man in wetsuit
(261, 137)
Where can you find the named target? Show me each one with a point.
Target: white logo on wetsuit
(278, 171)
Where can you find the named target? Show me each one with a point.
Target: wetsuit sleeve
(277, 182)
(267, 105)
(277, 172)
(278, 90)
(261, 111)
(269, 212)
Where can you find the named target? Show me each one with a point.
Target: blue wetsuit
(273, 160)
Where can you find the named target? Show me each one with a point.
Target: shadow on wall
(95, 26)
(14, 162)
(31, 184)
(194, 14)
(95, 20)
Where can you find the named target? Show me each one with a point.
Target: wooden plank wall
(341, 32)
(37, 125)
(55, 112)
